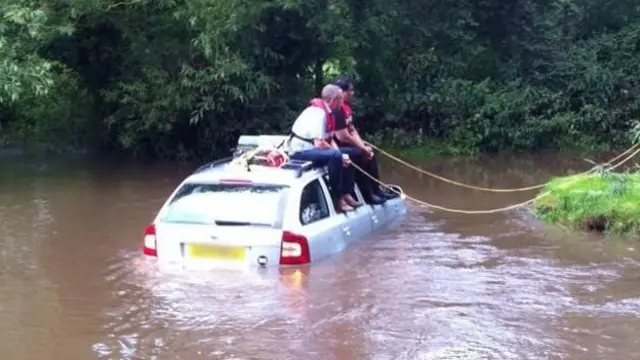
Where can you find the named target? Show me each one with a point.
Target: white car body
(264, 217)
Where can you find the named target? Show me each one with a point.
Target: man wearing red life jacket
(350, 142)
(312, 139)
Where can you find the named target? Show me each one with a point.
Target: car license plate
(211, 252)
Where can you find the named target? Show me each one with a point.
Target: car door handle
(374, 218)
(346, 230)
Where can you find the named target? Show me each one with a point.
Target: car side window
(313, 203)
(327, 182)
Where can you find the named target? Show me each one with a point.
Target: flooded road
(74, 285)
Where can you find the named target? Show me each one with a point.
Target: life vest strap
(294, 135)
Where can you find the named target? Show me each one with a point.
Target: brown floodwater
(74, 285)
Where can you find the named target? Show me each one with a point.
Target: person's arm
(351, 138)
(356, 135)
(317, 123)
(342, 130)
(355, 138)
(321, 144)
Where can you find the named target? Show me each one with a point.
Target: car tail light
(295, 249)
(149, 244)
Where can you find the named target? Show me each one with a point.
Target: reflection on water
(441, 286)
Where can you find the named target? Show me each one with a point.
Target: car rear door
(360, 221)
(356, 223)
(324, 229)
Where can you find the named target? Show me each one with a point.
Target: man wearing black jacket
(349, 141)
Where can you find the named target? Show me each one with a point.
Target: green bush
(183, 79)
(60, 119)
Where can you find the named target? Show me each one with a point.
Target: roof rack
(213, 164)
(299, 166)
(254, 141)
(249, 142)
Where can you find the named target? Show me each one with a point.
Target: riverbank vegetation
(181, 79)
(599, 201)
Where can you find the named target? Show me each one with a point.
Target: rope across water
(528, 188)
(505, 208)
(244, 161)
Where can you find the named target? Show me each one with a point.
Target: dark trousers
(366, 185)
(340, 178)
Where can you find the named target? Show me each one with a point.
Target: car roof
(257, 174)
(293, 172)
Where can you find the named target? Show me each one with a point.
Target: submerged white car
(259, 216)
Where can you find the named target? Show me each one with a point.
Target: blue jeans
(340, 182)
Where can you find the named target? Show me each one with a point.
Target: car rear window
(225, 204)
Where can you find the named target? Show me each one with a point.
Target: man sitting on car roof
(349, 141)
(312, 140)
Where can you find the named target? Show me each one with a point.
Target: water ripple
(438, 286)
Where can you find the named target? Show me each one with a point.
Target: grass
(601, 201)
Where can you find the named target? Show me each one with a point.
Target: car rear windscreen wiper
(239, 223)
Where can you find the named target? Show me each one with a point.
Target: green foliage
(180, 79)
(24, 28)
(59, 125)
(602, 201)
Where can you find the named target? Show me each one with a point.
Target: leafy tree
(182, 79)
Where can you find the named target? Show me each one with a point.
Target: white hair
(331, 92)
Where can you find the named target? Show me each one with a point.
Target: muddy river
(74, 285)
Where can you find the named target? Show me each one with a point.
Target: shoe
(375, 200)
(344, 207)
(351, 201)
(386, 194)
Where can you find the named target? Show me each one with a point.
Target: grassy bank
(606, 202)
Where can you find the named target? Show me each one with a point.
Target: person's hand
(324, 144)
(369, 152)
(346, 161)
